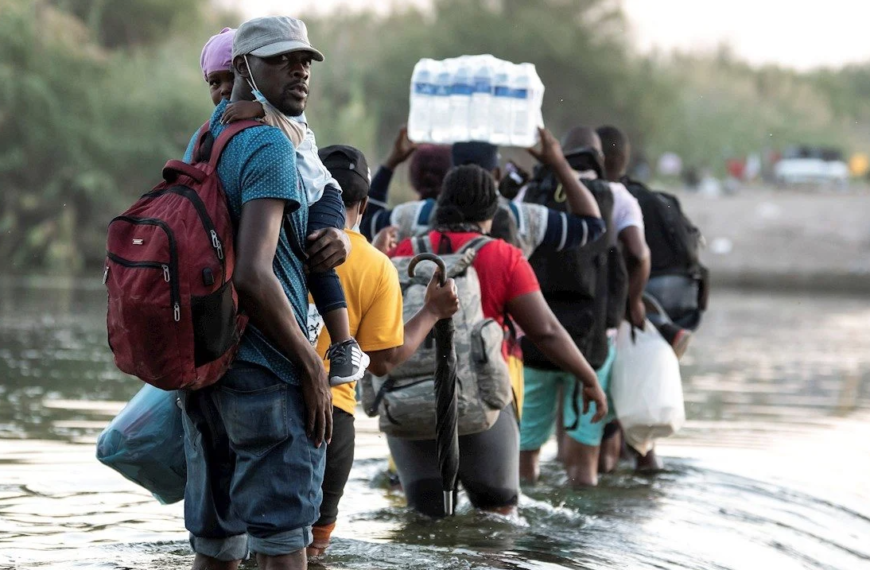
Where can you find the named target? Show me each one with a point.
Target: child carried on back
(326, 210)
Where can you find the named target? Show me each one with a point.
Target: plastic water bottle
(481, 98)
(537, 102)
(419, 118)
(523, 127)
(477, 98)
(460, 100)
(501, 108)
(440, 119)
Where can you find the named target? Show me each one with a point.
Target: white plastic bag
(646, 387)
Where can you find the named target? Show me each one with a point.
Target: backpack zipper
(202, 212)
(171, 272)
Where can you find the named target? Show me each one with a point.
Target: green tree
(578, 46)
(83, 131)
(121, 23)
(95, 95)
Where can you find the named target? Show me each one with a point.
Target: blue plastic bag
(145, 444)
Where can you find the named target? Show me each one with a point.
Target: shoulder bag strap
(385, 387)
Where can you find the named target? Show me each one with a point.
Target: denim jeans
(253, 476)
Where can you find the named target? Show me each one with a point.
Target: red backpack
(173, 314)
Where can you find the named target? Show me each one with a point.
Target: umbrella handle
(428, 257)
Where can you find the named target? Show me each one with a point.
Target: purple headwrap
(217, 54)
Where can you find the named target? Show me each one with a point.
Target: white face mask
(355, 227)
(293, 129)
(251, 80)
(253, 84)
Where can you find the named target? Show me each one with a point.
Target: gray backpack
(405, 400)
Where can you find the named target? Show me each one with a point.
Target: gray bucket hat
(271, 36)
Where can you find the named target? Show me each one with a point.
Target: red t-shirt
(503, 271)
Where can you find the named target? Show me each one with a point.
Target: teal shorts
(541, 396)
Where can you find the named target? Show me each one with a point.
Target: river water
(770, 472)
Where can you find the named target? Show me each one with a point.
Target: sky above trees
(802, 35)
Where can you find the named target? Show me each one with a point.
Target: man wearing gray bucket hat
(267, 37)
(276, 41)
(255, 440)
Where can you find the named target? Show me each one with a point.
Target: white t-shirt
(626, 209)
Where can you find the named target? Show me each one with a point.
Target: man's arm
(377, 216)
(441, 303)
(638, 263)
(532, 313)
(578, 198)
(557, 229)
(264, 300)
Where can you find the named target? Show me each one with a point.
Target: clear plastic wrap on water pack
(475, 98)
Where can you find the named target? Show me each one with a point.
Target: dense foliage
(96, 94)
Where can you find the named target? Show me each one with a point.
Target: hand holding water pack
(646, 386)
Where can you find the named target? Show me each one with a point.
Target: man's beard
(291, 106)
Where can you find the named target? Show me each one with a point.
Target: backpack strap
(372, 411)
(475, 244)
(204, 142)
(420, 244)
(226, 136)
(424, 216)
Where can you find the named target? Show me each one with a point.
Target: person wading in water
(489, 460)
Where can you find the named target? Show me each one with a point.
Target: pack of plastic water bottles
(475, 98)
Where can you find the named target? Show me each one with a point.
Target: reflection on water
(770, 471)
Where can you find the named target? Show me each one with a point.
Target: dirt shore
(785, 239)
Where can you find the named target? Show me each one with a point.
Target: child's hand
(241, 110)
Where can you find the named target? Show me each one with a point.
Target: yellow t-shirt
(374, 308)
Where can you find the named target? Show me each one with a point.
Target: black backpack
(585, 286)
(674, 241)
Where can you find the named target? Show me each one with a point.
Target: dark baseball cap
(585, 158)
(483, 154)
(349, 167)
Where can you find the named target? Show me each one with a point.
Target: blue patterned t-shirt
(260, 162)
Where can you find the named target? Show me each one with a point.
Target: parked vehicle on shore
(812, 165)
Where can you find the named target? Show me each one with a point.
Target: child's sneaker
(347, 362)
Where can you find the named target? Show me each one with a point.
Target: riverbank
(759, 238)
(780, 240)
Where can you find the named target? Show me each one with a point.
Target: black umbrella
(447, 413)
